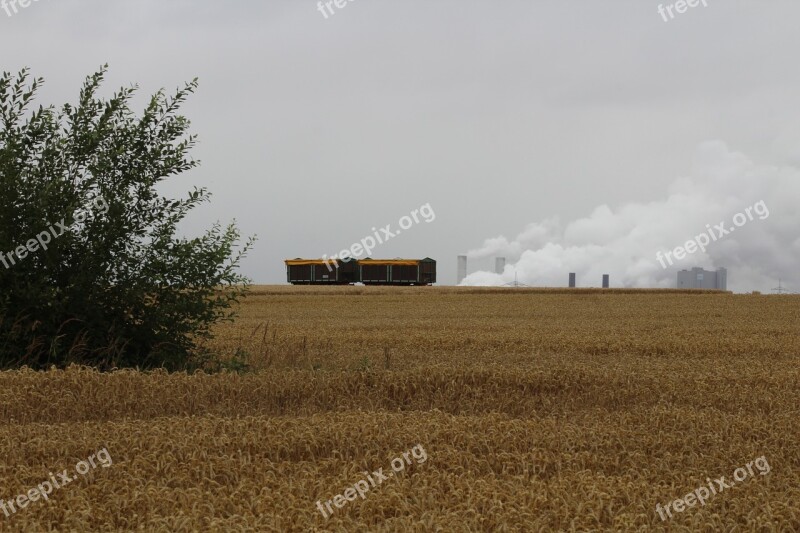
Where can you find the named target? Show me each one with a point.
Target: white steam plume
(624, 242)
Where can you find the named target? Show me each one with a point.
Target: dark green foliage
(117, 288)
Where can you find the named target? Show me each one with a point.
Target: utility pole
(780, 289)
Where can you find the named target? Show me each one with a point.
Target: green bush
(92, 271)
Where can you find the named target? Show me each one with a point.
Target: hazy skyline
(503, 117)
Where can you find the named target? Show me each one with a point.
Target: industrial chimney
(499, 265)
(462, 269)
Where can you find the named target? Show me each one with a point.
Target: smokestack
(462, 269)
(605, 281)
(499, 265)
(572, 279)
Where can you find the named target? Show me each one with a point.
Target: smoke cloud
(624, 242)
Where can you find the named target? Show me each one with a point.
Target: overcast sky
(501, 115)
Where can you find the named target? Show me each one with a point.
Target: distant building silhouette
(697, 278)
(462, 269)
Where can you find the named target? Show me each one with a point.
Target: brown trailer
(312, 271)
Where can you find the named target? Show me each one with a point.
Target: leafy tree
(114, 286)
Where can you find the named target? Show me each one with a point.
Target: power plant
(499, 267)
(697, 278)
(572, 283)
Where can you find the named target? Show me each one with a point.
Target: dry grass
(539, 411)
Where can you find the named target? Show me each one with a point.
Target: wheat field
(538, 410)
